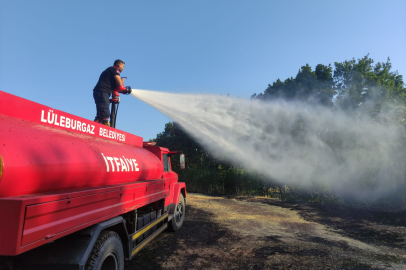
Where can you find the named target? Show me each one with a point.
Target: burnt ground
(262, 233)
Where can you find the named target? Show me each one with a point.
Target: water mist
(293, 142)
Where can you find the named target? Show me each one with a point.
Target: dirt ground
(262, 233)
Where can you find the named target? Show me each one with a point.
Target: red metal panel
(173, 180)
(177, 187)
(42, 159)
(11, 214)
(47, 220)
(42, 220)
(17, 107)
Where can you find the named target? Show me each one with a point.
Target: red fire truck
(75, 194)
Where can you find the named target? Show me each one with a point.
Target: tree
(353, 83)
(309, 86)
(358, 81)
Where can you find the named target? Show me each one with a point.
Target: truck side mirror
(182, 161)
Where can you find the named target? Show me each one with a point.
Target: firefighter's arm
(119, 80)
(120, 83)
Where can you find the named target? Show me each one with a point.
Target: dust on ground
(263, 233)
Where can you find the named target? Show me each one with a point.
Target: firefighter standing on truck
(109, 80)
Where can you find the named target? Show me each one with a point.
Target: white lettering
(79, 126)
(105, 160)
(62, 121)
(56, 120)
(88, 129)
(123, 166)
(73, 125)
(50, 121)
(100, 132)
(42, 117)
(117, 164)
(128, 164)
(111, 161)
(83, 127)
(131, 164)
(92, 130)
(135, 165)
(68, 122)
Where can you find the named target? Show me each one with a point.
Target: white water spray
(292, 142)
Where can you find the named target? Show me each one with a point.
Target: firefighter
(109, 80)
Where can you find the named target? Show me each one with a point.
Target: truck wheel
(179, 215)
(107, 253)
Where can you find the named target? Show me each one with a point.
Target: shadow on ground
(204, 242)
(198, 231)
(374, 227)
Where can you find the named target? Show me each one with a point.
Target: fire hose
(115, 101)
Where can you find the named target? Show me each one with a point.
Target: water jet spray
(293, 142)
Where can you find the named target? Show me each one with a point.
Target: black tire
(107, 253)
(180, 210)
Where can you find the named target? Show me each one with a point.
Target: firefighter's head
(119, 64)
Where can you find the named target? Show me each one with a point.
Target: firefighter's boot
(105, 122)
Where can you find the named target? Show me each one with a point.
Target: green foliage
(311, 86)
(359, 81)
(353, 83)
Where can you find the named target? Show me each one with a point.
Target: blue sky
(53, 52)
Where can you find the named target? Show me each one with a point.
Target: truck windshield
(165, 160)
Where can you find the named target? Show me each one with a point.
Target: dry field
(261, 233)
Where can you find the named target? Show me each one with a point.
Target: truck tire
(179, 215)
(107, 253)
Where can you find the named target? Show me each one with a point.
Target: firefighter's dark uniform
(102, 92)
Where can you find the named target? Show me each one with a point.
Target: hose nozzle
(127, 90)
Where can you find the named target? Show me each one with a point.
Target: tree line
(353, 86)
